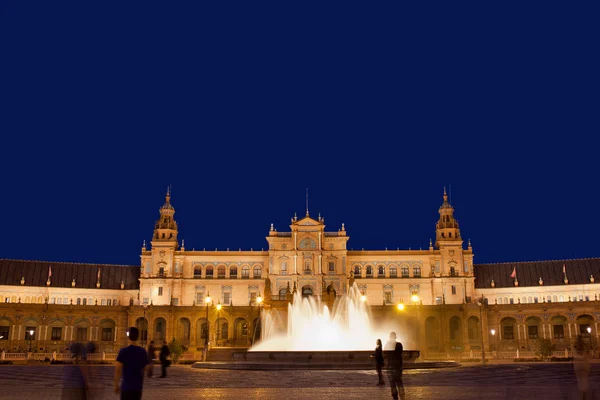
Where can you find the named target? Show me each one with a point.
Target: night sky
(241, 107)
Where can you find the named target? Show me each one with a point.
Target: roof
(529, 273)
(63, 273)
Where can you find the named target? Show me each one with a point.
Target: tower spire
(307, 202)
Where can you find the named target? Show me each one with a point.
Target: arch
(533, 327)
(142, 324)
(307, 290)
(40, 300)
(27, 299)
(198, 271)
(357, 272)
(393, 271)
(473, 329)
(257, 271)
(455, 329)
(221, 270)
(404, 270)
(183, 330)
(558, 323)
(201, 331)
(283, 293)
(210, 270)
(160, 329)
(369, 271)
(380, 271)
(432, 333)
(417, 271)
(240, 331)
(499, 300)
(245, 272)
(233, 271)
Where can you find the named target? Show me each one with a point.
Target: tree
(176, 349)
(543, 348)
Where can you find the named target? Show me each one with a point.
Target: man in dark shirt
(164, 359)
(131, 363)
(393, 353)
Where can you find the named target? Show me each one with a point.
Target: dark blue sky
(240, 107)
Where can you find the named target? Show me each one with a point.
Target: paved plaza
(512, 381)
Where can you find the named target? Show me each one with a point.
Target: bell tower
(165, 229)
(446, 229)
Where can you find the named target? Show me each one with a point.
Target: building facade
(199, 296)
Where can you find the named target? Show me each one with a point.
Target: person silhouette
(393, 354)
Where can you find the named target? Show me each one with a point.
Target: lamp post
(31, 332)
(259, 300)
(217, 322)
(207, 300)
(480, 304)
(493, 332)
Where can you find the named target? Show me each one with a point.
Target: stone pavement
(513, 381)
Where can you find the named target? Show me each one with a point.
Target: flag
(514, 273)
(49, 272)
(564, 269)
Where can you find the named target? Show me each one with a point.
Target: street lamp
(218, 323)
(31, 332)
(363, 298)
(259, 301)
(207, 300)
(493, 332)
(480, 304)
(401, 306)
(414, 298)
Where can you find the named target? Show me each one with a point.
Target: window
(381, 271)
(284, 268)
(103, 302)
(453, 271)
(282, 294)
(393, 272)
(107, 334)
(357, 271)
(108, 302)
(161, 271)
(56, 333)
(532, 332)
(245, 272)
(508, 332)
(226, 298)
(499, 300)
(200, 298)
(175, 301)
(549, 299)
(583, 330)
(438, 300)
(453, 289)
(388, 297)
(233, 272)
(197, 272)
(512, 301)
(253, 298)
(28, 335)
(417, 272)
(307, 267)
(84, 302)
(221, 272)
(146, 300)
(535, 299)
(404, 271)
(307, 244)
(369, 271)
(59, 301)
(160, 291)
(203, 330)
(331, 268)
(209, 271)
(559, 332)
(257, 272)
(79, 301)
(554, 298)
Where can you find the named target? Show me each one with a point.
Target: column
(320, 265)
(116, 334)
(569, 325)
(295, 263)
(544, 330)
(518, 332)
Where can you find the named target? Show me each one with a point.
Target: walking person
(378, 355)
(164, 359)
(393, 353)
(131, 362)
(151, 350)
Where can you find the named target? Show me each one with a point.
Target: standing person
(393, 353)
(164, 359)
(131, 362)
(151, 351)
(378, 354)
